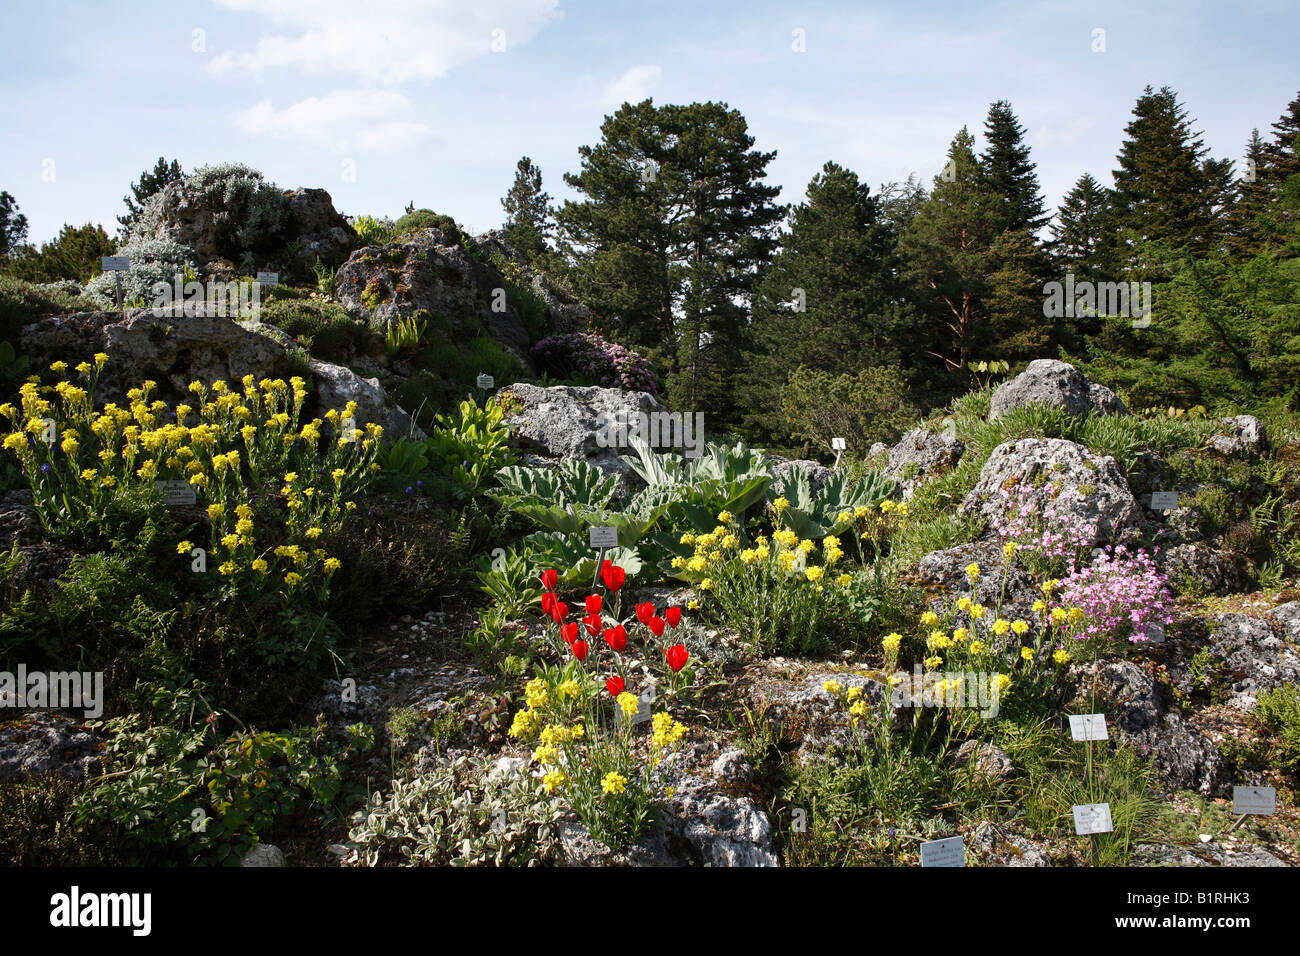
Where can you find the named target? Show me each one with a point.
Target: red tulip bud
(593, 604)
(580, 648)
(614, 685)
(677, 656)
(644, 612)
(612, 575)
(550, 579)
(673, 616)
(656, 624)
(593, 622)
(559, 611)
(569, 631)
(548, 602)
(616, 638)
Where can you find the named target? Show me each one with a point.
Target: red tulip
(569, 631)
(614, 685)
(580, 649)
(548, 602)
(612, 575)
(559, 611)
(673, 616)
(645, 611)
(677, 656)
(550, 579)
(616, 638)
(593, 604)
(656, 624)
(593, 622)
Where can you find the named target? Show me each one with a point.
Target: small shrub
(589, 354)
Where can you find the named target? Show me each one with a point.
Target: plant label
(644, 704)
(1092, 818)
(948, 852)
(1164, 500)
(486, 382)
(115, 263)
(837, 444)
(1257, 800)
(601, 537)
(1088, 727)
(175, 493)
(268, 278)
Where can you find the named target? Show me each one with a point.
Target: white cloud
(634, 85)
(329, 120)
(383, 41)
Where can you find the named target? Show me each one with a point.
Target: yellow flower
(1000, 627)
(1061, 657)
(858, 708)
(780, 504)
(568, 688)
(891, 642)
(184, 547)
(725, 517)
(976, 647)
(613, 782)
(832, 687)
(692, 605)
(1076, 615)
(977, 611)
(214, 511)
(1009, 549)
(706, 584)
(259, 565)
(1019, 628)
(814, 573)
(292, 578)
(929, 618)
(545, 754)
(844, 580)
(1027, 653)
(313, 533)
(1058, 615)
(59, 367)
(1002, 682)
(973, 572)
(1039, 607)
(100, 359)
(227, 567)
(932, 662)
(963, 604)
(960, 634)
(332, 565)
(628, 704)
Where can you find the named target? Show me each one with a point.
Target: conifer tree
(528, 214)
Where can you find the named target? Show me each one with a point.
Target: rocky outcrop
(1099, 504)
(431, 271)
(818, 474)
(920, 455)
(990, 845)
(41, 742)
(174, 351)
(804, 712)
(1058, 385)
(1254, 655)
(946, 570)
(1244, 436)
(570, 422)
(1199, 569)
(1184, 757)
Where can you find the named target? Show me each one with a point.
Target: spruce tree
(1252, 199)
(1081, 233)
(1282, 155)
(830, 293)
(1166, 188)
(528, 214)
(1007, 171)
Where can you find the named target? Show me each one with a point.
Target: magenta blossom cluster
(1054, 531)
(591, 355)
(1121, 594)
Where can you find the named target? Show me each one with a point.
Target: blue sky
(412, 98)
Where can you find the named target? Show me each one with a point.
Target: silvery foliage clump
(463, 812)
(152, 261)
(248, 212)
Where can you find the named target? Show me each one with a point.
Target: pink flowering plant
(1051, 539)
(591, 355)
(1122, 595)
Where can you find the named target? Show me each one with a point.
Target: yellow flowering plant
(596, 760)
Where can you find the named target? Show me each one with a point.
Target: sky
(385, 102)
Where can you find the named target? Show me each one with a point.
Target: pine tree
(528, 214)
(1081, 235)
(1166, 188)
(13, 226)
(830, 290)
(1282, 155)
(669, 240)
(74, 254)
(150, 182)
(1008, 172)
